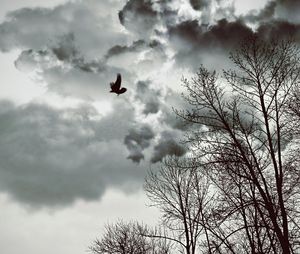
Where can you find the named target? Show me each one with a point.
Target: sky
(74, 156)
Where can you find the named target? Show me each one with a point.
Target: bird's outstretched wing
(116, 86)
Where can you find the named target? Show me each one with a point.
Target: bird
(116, 86)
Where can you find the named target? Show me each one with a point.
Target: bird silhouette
(116, 86)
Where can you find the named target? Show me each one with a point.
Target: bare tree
(239, 189)
(293, 110)
(246, 145)
(182, 196)
(129, 238)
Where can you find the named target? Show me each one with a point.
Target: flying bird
(116, 86)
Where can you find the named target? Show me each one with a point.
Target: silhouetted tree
(293, 110)
(248, 146)
(181, 194)
(238, 189)
(129, 238)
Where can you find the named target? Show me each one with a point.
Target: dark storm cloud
(199, 4)
(67, 52)
(137, 140)
(118, 49)
(289, 4)
(173, 100)
(195, 43)
(224, 34)
(139, 16)
(148, 96)
(145, 18)
(211, 44)
(221, 9)
(168, 144)
(136, 46)
(173, 121)
(169, 129)
(52, 157)
(151, 107)
(279, 30)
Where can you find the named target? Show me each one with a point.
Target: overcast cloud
(52, 157)
(65, 141)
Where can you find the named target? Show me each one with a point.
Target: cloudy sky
(72, 155)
